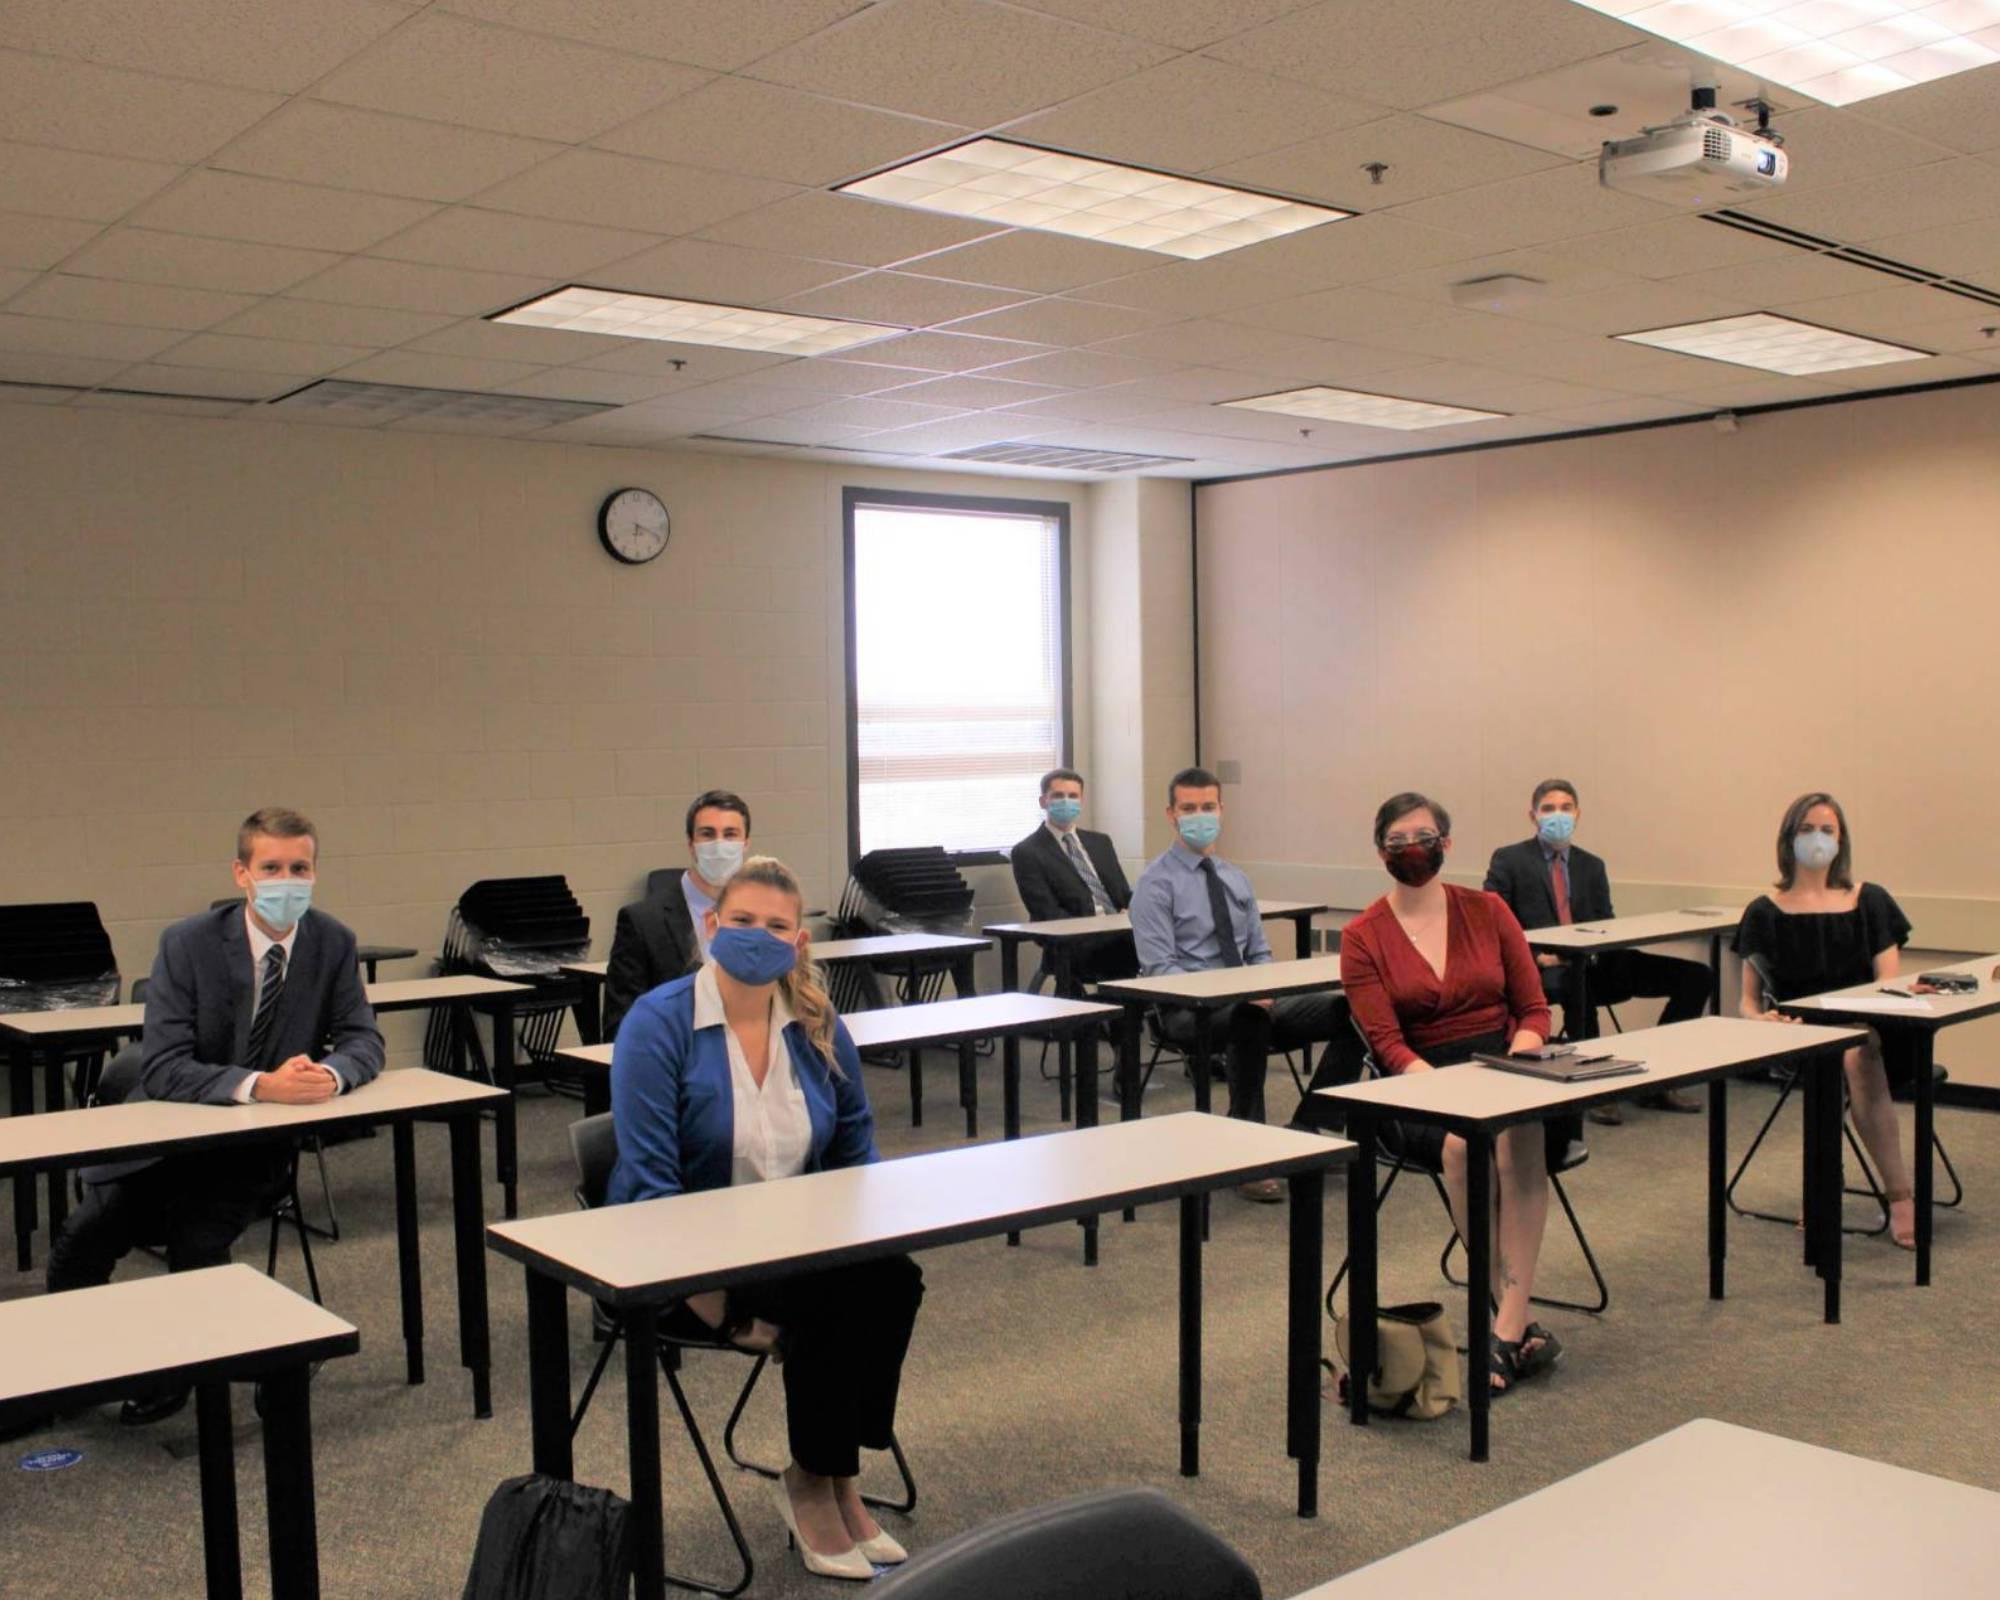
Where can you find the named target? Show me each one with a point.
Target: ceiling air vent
(1060, 457)
(373, 403)
(1834, 250)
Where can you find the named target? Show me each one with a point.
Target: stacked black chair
(520, 930)
(52, 957)
(898, 891)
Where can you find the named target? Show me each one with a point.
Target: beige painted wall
(416, 638)
(1693, 626)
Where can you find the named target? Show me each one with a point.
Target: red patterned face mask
(1416, 864)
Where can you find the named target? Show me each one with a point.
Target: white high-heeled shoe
(883, 1550)
(850, 1563)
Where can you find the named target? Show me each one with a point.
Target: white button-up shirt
(773, 1125)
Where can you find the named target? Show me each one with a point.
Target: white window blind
(959, 673)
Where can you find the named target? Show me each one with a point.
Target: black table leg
(1584, 1024)
(409, 1248)
(370, 963)
(1086, 1117)
(1130, 1026)
(1715, 974)
(1479, 1284)
(588, 1009)
(1830, 1183)
(468, 1237)
(1010, 966)
(54, 1098)
(1010, 1094)
(968, 1086)
(505, 1148)
(916, 1055)
(288, 1485)
(1922, 1048)
(596, 1092)
(1059, 964)
(1204, 1040)
(1191, 1228)
(1718, 1184)
(1302, 1342)
(221, 1548)
(642, 1444)
(1302, 933)
(964, 978)
(548, 1375)
(1361, 1245)
(27, 1209)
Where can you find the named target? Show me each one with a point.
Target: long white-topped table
(1205, 993)
(913, 951)
(1577, 942)
(1910, 1028)
(1710, 1509)
(58, 1032)
(1059, 936)
(206, 1329)
(1478, 1102)
(641, 1256)
(57, 1141)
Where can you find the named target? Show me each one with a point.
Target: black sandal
(1540, 1350)
(1506, 1366)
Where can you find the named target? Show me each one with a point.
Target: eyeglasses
(1402, 841)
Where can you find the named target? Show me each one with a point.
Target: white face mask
(717, 860)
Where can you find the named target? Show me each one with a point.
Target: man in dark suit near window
(1062, 870)
(1547, 881)
(257, 1001)
(660, 938)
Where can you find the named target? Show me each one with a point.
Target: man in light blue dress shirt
(1193, 912)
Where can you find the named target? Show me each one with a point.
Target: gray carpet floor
(1032, 1378)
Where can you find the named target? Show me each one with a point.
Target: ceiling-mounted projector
(1702, 159)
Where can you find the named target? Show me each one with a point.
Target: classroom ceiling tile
(1829, 148)
(957, 433)
(1674, 246)
(1081, 369)
(164, 404)
(465, 236)
(76, 106)
(38, 243)
(1369, 246)
(348, 148)
(1898, 202)
(504, 341)
(281, 45)
(448, 69)
(211, 382)
(1899, 374)
(320, 322)
(230, 205)
(1549, 272)
(1543, 206)
(1221, 114)
(1041, 263)
(1114, 404)
(950, 352)
(1340, 313)
(1423, 158)
(874, 411)
(1725, 390)
(1625, 409)
(1794, 276)
(626, 192)
(15, 279)
(697, 269)
(418, 369)
(416, 286)
(823, 376)
(1960, 112)
(25, 392)
(1061, 321)
(1455, 334)
(1184, 24)
(633, 426)
(145, 305)
(29, 367)
(603, 388)
(972, 393)
(724, 37)
(966, 61)
(1410, 53)
(691, 363)
(76, 186)
(232, 353)
(1962, 249)
(1892, 311)
(1639, 305)
(147, 256)
(839, 227)
(51, 336)
(794, 430)
(1218, 344)
(760, 130)
(1606, 364)
(1199, 288)
(900, 298)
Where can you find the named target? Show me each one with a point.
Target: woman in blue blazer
(743, 1073)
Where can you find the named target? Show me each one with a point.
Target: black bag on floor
(543, 1538)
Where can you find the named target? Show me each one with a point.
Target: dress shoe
(1673, 1100)
(850, 1563)
(1265, 1191)
(883, 1551)
(154, 1408)
(1606, 1116)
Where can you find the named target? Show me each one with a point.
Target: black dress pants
(845, 1333)
(197, 1206)
(1253, 1032)
(1620, 975)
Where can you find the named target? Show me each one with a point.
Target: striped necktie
(270, 989)
(1100, 902)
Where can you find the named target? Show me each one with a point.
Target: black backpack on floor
(543, 1538)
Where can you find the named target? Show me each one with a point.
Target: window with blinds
(958, 667)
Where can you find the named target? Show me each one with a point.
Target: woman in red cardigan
(1432, 973)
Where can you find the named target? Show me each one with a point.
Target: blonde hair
(804, 990)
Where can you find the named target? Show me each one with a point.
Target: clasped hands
(300, 1081)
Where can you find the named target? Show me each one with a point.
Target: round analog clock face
(633, 525)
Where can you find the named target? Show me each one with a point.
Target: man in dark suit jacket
(1062, 870)
(659, 938)
(257, 1001)
(1548, 880)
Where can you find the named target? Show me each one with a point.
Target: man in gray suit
(258, 1001)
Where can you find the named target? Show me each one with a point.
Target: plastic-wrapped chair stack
(898, 891)
(521, 930)
(54, 958)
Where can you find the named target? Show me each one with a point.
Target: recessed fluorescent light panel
(389, 402)
(1838, 51)
(993, 180)
(1362, 410)
(1776, 344)
(650, 316)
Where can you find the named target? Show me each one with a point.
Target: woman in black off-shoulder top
(1821, 930)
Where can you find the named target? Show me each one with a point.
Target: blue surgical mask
(1815, 849)
(280, 902)
(752, 955)
(1555, 827)
(1201, 829)
(1063, 811)
(717, 860)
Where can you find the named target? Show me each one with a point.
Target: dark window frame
(852, 497)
